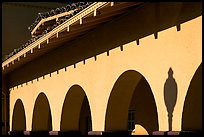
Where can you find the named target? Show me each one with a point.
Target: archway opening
(18, 119)
(76, 114)
(42, 119)
(192, 111)
(131, 102)
(144, 107)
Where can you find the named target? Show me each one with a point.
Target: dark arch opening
(144, 105)
(76, 114)
(131, 102)
(18, 119)
(192, 111)
(42, 119)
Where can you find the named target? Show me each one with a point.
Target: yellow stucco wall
(180, 50)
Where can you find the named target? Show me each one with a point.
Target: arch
(42, 119)
(131, 93)
(76, 114)
(18, 118)
(192, 110)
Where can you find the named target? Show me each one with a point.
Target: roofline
(50, 18)
(26, 5)
(91, 8)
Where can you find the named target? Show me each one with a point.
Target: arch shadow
(18, 118)
(42, 119)
(144, 105)
(76, 114)
(131, 93)
(192, 110)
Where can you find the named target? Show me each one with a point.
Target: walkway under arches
(131, 102)
(42, 119)
(19, 118)
(192, 110)
(76, 115)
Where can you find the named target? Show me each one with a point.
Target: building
(17, 29)
(108, 68)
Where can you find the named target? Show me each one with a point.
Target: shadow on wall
(138, 23)
(170, 96)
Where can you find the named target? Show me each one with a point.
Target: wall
(180, 50)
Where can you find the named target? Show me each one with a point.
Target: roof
(54, 16)
(80, 22)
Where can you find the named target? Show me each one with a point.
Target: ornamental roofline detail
(65, 29)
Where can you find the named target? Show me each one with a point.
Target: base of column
(65, 132)
(16, 133)
(159, 133)
(109, 133)
(26, 132)
(173, 132)
(176, 133)
(95, 132)
(54, 133)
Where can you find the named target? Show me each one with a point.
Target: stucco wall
(152, 58)
(180, 50)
